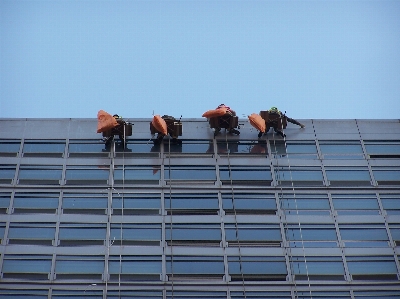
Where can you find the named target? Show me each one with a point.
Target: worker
(227, 121)
(278, 121)
(228, 109)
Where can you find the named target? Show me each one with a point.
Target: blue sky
(313, 59)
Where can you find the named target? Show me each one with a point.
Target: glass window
(89, 292)
(348, 176)
(376, 294)
(136, 204)
(257, 268)
(391, 203)
(242, 147)
(74, 234)
(253, 234)
(136, 234)
(191, 204)
(305, 204)
(176, 294)
(35, 203)
(15, 293)
(383, 149)
(77, 175)
(45, 148)
(87, 148)
(294, 149)
(261, 294)
(245, 175)
(7, 173)
(372, 267)
(4, 202)
(252, 203)
(331, 294)
(318, 268)
(137, 149)
(134, 294)
(298, 176)
(362, 235)
(311, 235)
(84, 203)
(27, 266)
(32, 233)
(2, 230)
(9, 148)
(40, 174)
(79, 267)
(195, 173)
(194, 266)
(189, 147)
(193, 234)
(355, 204)
(386, 175)
(135, 267)
(341, 150)
(395, 232)
(137, 174)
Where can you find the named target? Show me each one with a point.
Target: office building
(315, 215)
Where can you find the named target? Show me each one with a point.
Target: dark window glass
(84, 174)
(294, 150)
(4, 202)
(35, 203)
(355, 235)
(386, 175)
(15, 293)
(355, 204)
(187, 234)
(47, 148)
(391, 203)
(298, 175)
(7, 173)
(311, 232)
(137, 148)
(383, 149)
(377, 294)
(32, 233)
(196, 294)
(189, 204)
(89, 292)
(2, 230)
(128, 268)
(245, 174)
(319, 268)
(270, 294)
(242, 147)
(134, 294)
(196, 173)
(189, 147)
(137, 175)
(81, 203)
(348, 176)
(72, 234)
(88, 148)
(257, 268)
(187, 266)
(241, 203)
(136, 234)
(39, 174)
(27, 266)
(395, 232)
(9, 147)
(372, 267)
(305, 204)
(79, 267)
(341, 150)
(137, 204)
(253, 234)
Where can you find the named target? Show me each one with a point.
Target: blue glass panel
(391, 204)
(252, 234)
(190, 173)
(87, 174)
(203, 233)
(26, 232)
(248, 203)
(84, 202)
(256, 265)
(298, 175)
(308, 234)
(355, 204)
(365, 266)
(348, 175)
(318, 267)
(135, 267)
(6, 173)
(9, 147)
(196, 265)
(136, 202)
(341, 148)
(80, 266)
(383, 148)
(36, 202)
(387, 175)
(136, 232)
(24, 265)
(43, 173)
(247, 174)
(138, 174)
(5, 200)
(82, 233)
(363, 234)
(43, 147)
(93, 147)
(191, 201)
(305, 204)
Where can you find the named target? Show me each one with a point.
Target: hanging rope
(235, 213)
(297, 211)
(122, 213)
(170, 209)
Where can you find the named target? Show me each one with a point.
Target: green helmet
(274, 109)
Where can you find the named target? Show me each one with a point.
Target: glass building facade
(316, 215)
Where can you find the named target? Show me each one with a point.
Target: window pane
(141, 234)
(31, 233)
(44, 146)
(136, 204)
(40, 173)
(391, 203)
(35, 202)
(190, 173)
(189, 147)
(387, 176)
(249, 203)
(8, 147)
(87, 174)
(79, 265)
(256, 265)
(347, 174)
(242, 147)
(26, 264)
(323, 265)
(260, 175)
(191, 203)
(84, 203)
(193, 232)
(195, 265)
(370, 265)
(135, 265)
(140, 175)
(256, 233)
(355, 204)
(86, 146)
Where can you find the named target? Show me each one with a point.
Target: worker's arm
(293, 121)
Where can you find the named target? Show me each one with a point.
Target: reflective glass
(298, 174)
(189, 147)
(191, 203)
(243, 173)
(44, 146)
(83, 201)
(252, 203)
(42, 202)
(86, 174)
(136, 204)
(382, 147)
(82, 231)
(347, 174)
(347, 147)
(26, 264)
(387, 174)
(139, 174)
(79, 265)
(190, 173)
(322, 265)
(371, 265)
(10, 146)
(34, 231)
(7, 173)
(40, 172)
(253, 232)
(193, 232)
(199, 265)
(311, 232)
(391, 203)
(304, 202)
(242, 147)
(135, 265)
(256, 265)
(355, 204)
(86, 146)
(136, 232)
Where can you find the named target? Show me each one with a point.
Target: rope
(170, 208)
(122, 213)
(236, 223)
(297, 213)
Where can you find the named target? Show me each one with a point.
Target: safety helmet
(116, 116)
(274, 109)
